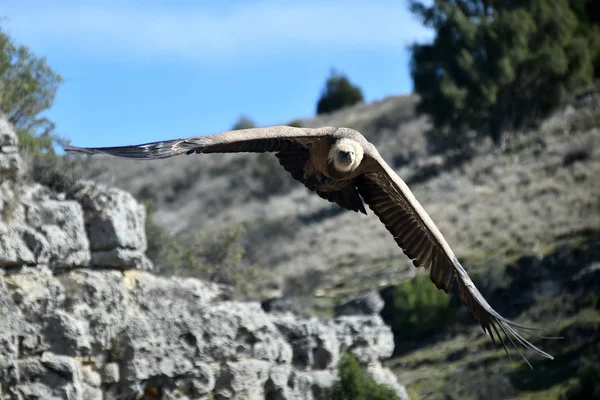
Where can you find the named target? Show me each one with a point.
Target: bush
(59, 173)
(296, 123)
(217, 256)
(243, 123)
(354, 384)
(163, 249)
(587, 386)
(418, 310)
(338, 93)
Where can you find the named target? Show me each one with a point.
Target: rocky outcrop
(368, 302)
(11, 164)
(82, 316)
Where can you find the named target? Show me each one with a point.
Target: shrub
(243, 122)
(163, 249)
(338, 93)
(587, 385)
(60, 173)
(305, 283)
(217, 256)
(354, 384)
(296, 123)
(418, 310)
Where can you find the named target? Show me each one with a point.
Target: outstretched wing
(254, 140)
(289, 143)
(414, 231)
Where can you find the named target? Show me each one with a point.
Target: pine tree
(495, 66)
(338, 93)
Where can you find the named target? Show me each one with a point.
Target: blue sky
(138, 71)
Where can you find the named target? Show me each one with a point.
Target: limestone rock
(368, 338)
(11, 164)
(115, 225)
(366, 303)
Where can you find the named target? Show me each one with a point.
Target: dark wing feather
(294, 162)
(414, 231)
(347, 197)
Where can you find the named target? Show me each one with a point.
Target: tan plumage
(341, 166)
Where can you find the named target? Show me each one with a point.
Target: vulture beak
(346, 155)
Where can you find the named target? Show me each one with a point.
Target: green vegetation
(588, 18)
(338, 93)
(296, 123)
(587, 385)
(217, 256)
(497, 67)
(27, 89)
(354, 384)
(243, 122)
(419, 309)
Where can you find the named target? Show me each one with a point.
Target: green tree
(354, 384)
(243, 122)
(588, 17)
(27, 89)
(495, 66)
(419, 309)
(338, 93)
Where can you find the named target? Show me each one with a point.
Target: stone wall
(82, 316)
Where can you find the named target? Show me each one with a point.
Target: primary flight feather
(341, 166)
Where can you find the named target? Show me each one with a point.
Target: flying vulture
(341, 166)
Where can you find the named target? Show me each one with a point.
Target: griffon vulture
(341, 166)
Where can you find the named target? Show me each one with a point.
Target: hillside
(516, 202)
(508, 215)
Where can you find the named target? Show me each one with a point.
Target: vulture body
(341, 166)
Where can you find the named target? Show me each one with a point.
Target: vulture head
(346, 155)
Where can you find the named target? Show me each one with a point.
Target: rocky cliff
(82, 316)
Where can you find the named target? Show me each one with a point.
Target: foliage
(59, 173)
(243, 122)
(27, 88)
(588, 17)
(354, 384)
(162, 248)
(296, 123)
(338, 93)
(495, 67)
(305, 283)
(214, 256)
(587, 385)
(418, 310)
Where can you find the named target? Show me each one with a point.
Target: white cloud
(228, 31)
